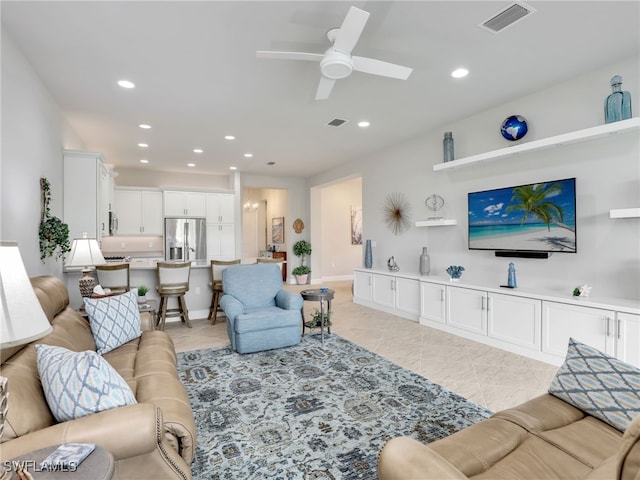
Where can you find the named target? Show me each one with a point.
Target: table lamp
(85, 253)
(22, 319)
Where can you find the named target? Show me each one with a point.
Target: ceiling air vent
(336, 122)
(507, 17)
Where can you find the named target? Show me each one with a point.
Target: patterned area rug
(312, 411)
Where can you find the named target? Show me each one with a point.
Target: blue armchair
(260, 314)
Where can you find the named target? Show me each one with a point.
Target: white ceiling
(198, 77)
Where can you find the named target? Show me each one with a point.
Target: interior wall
(142, 177)
(34, 133)
(338, 257)
(607, 173)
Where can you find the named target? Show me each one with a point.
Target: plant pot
(142, 299)
(301, 279)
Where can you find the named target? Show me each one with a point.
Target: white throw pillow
(77, 384)
(114, 320)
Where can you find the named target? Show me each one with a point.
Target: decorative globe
(514, 128)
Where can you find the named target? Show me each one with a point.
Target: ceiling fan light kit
(337, 62)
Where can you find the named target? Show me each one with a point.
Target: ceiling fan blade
(378, 67)
(351, 29)
(324, 88)
(314, 57)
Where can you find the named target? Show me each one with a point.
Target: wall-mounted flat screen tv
(539, 217)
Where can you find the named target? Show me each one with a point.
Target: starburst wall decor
(396, 210)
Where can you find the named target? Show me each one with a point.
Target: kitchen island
(143, 272)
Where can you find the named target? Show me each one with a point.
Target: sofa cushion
(599, 385)
(114, 320)
(77, 384)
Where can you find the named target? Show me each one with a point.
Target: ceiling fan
(337, 62)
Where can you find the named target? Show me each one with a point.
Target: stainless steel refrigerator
(185, 239)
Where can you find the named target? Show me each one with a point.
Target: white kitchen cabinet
(362, 286)
(628, 338)
(467, 309)
(185, 204)
(433, 302)
(593, 326)
(515, 320)
(220, 208)
(221, 243)
(139, 212)
(85, 201)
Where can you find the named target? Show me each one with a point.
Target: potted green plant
(317, 319)
(302, 274)
(53, 233)
(142, 293)
(301, 249)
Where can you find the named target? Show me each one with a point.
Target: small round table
(99, 465)
(321, 296)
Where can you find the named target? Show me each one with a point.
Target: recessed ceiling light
(197, 150)
(229, 137)
(191, 164)
(143, 145)
(460, 73)
(248, 155)
(145, 126)
(233, 168)
(144, 161)
(126, 84)
(363, 124)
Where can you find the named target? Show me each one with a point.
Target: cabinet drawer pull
(442, 294)
(619, 328)
(608, 320)
(483, 306)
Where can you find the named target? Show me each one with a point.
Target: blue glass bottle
(511, 281)
(618, 105)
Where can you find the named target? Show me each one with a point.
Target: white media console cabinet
(531, 323)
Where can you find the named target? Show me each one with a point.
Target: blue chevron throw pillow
(599, 385)
(114, 320)
(77, 384)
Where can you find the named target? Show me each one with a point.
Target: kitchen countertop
(152, 264)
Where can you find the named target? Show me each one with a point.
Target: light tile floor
(486, 375)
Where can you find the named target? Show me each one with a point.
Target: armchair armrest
(124, 431)
(288, 300)
(231, 306)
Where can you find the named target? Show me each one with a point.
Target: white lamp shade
(22, 319)
(85, 252)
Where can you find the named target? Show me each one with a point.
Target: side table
(322, 296)
(99, 465)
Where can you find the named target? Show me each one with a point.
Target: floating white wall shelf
(632, 124)
(624, 213)
(442, 222)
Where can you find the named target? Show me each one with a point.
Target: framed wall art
(277, 230)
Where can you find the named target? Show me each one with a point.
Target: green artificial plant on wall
(53, 232)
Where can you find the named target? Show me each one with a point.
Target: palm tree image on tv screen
(539, 217)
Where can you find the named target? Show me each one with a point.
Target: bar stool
(217, 266)
(114, 276)
(278, 261)
(173, 281)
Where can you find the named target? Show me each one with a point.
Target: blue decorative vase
(618, 105)
(514, 128)
(511, 279)
(368, 255)
(447, 146)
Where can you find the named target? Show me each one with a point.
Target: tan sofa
(154, 438)
(544, 438)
